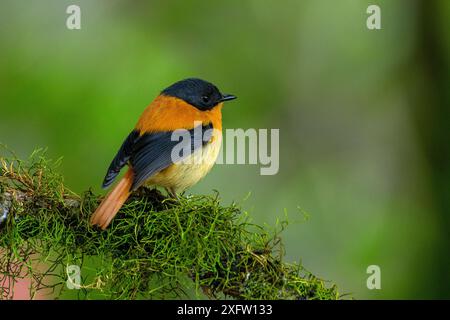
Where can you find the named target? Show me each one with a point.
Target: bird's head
(201, 94)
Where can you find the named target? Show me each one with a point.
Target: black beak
(227, 97)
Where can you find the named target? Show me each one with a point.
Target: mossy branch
(155, 247)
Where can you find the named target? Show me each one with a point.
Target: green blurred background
(363, 115)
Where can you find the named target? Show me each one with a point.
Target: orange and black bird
(193, 105)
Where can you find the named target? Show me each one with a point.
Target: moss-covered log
(155, 248)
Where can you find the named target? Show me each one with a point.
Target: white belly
(187, 173)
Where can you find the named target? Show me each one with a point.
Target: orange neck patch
(168, 114)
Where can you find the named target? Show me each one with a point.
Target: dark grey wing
(121, 158)
(152, 152)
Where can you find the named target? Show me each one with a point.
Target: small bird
(192, 105)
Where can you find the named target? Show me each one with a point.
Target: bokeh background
(363, 115)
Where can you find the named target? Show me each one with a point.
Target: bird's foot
(172, 193)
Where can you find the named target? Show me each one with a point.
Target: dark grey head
(201, 94)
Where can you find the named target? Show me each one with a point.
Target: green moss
(154, 248)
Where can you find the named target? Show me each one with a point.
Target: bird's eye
(205, 99)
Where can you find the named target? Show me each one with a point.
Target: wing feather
(153, 152)
(121, 158)
(150, 153)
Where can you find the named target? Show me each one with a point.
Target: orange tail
(113, 202)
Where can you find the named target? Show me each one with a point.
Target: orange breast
(169, 113)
